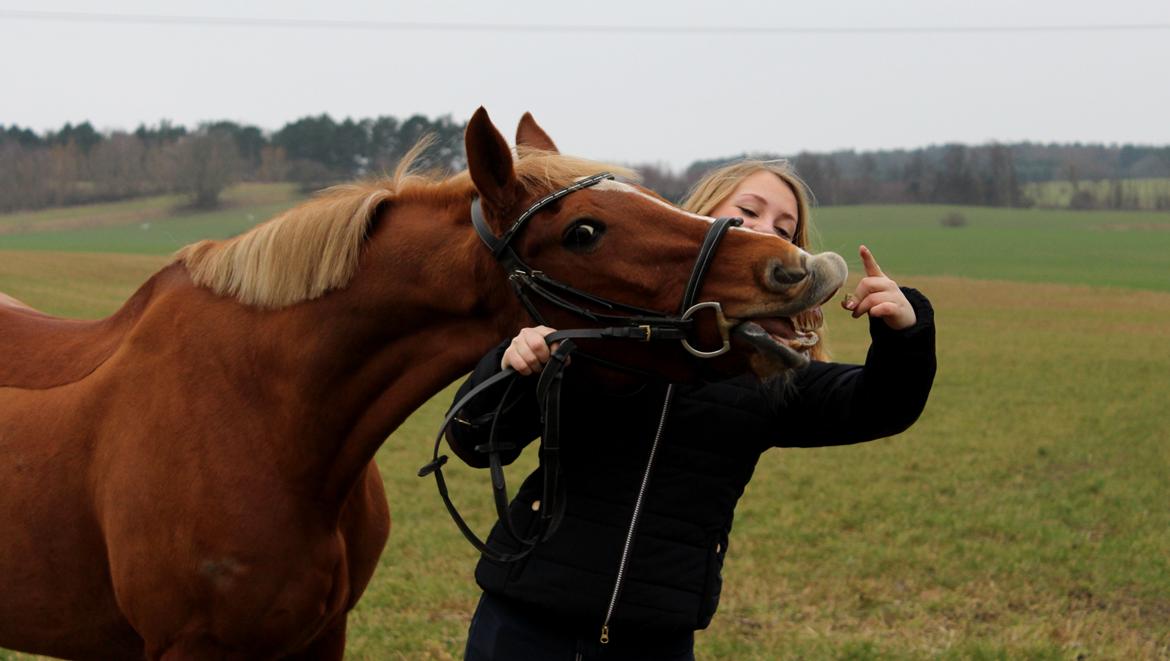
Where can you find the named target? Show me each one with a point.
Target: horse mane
(316, 246)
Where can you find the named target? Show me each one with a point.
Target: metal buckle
(523, 276)
(645, 328)
(724, 330)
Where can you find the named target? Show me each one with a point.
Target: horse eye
(583, 235)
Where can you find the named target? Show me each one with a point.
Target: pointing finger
(871, 265)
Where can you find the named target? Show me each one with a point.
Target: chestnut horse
(193, 477)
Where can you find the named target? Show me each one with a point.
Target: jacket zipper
(621, 572)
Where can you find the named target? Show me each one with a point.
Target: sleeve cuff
(924, 320)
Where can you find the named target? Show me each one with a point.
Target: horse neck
(426, 304)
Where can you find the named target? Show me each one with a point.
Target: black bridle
(617, 320)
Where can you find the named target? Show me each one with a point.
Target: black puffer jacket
(712, 440)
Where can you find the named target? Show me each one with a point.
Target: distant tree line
(989, 175)
(78, 164)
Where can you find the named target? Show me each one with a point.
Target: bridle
(635, 323)
(617, 320)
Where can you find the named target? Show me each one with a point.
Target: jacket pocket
(526, 519)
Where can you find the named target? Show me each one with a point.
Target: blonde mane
(316, 246)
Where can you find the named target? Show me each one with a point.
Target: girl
(559, 602)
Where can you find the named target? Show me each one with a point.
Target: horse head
(622, 243)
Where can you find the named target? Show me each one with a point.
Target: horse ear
(529, 134)
(489, 161)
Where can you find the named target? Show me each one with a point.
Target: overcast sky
(626, 96)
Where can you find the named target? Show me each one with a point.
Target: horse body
(194, 478)
(228, 471)
(113, 494)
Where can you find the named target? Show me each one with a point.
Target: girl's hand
(878, 296)
(528, 352)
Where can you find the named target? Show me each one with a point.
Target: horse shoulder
(365, 523)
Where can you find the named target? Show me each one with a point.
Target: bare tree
(273, 164)
(659, 178)
(117, 167)
(207, 162)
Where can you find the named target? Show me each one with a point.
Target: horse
(193, 477)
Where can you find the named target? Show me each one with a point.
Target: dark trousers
(504, 631)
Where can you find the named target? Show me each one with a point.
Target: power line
(668, 30)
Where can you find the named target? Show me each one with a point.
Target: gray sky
(632, 97)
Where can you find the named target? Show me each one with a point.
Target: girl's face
(765, 202)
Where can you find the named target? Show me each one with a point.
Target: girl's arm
(838, 404)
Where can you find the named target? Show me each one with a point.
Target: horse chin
(767, 356)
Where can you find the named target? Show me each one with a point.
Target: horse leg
(365, 520)
(198, 648)
(328, 646)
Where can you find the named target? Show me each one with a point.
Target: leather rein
(616, 320)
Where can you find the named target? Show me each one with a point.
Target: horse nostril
(780, 276)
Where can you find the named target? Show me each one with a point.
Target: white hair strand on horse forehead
(622, 187)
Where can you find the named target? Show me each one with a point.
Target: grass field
(1108, 248)
(1024, 517)
(154, 225)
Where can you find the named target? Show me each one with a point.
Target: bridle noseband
(624, 321)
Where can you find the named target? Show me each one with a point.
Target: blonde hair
(717, 184)
(715, 187)
(316, 246)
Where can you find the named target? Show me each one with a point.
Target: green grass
(80, 285)
(1122, 248)
(89, 214)
(160, 236)
(1023, 517)
(1110, 248)
(157, 225)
